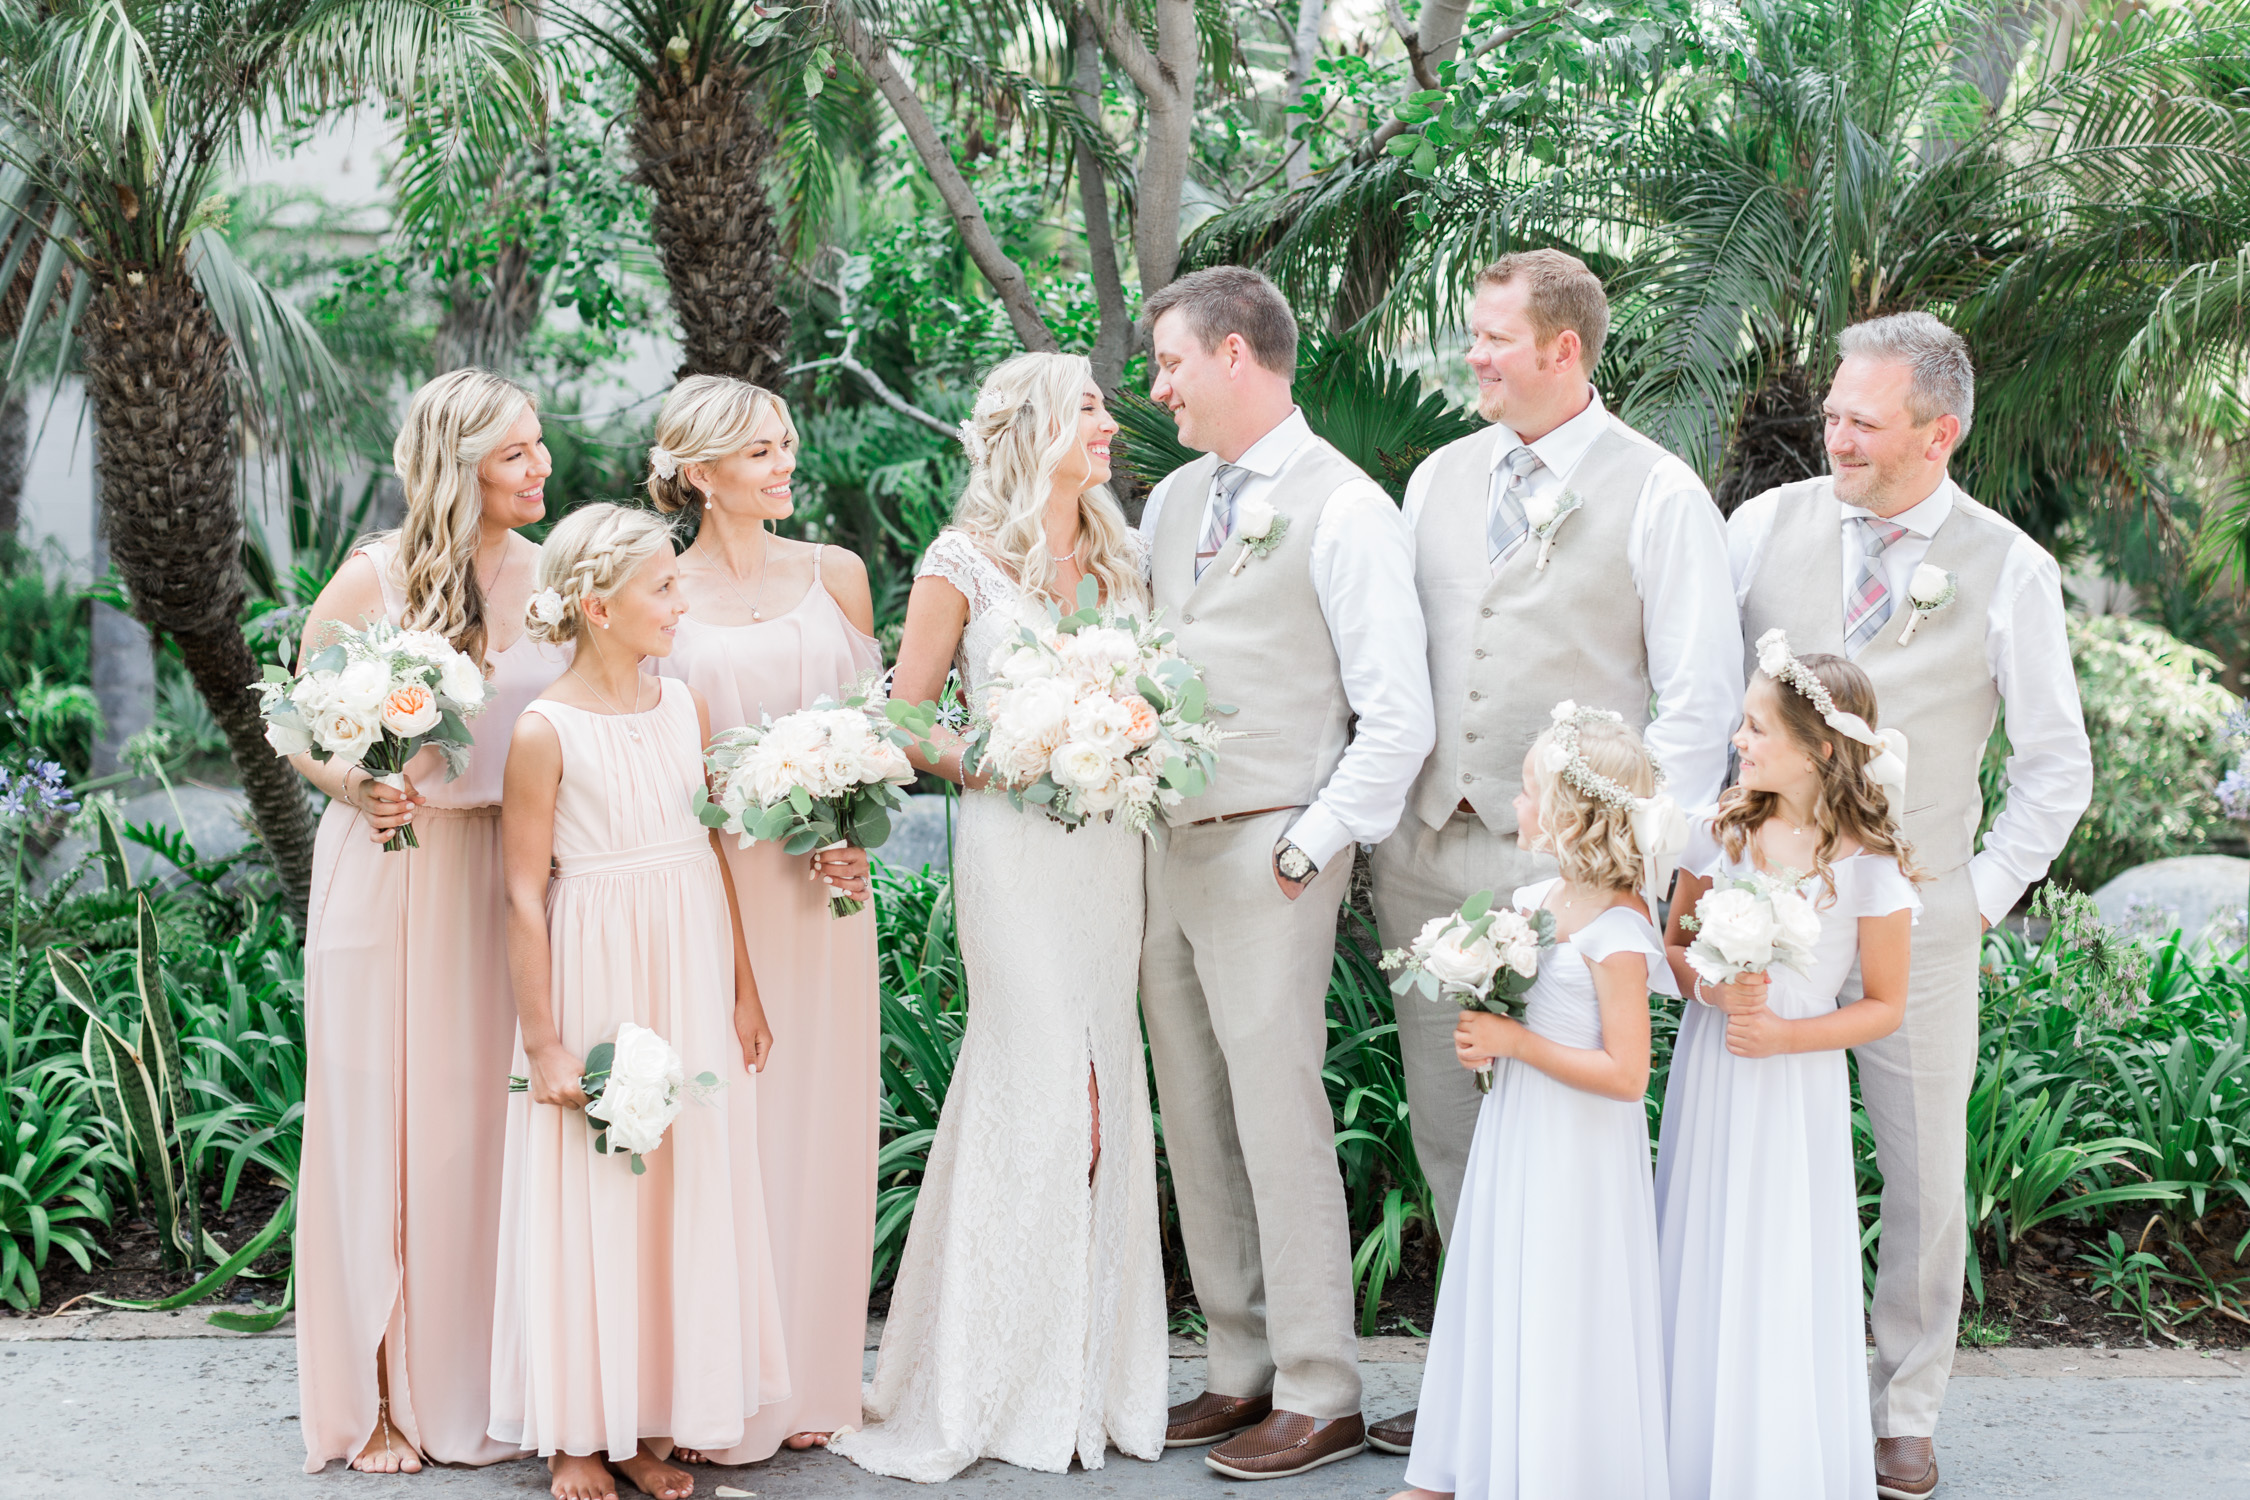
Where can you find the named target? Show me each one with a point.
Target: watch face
(1295, 863)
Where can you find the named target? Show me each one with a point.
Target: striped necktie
(1219, 523)
(1870, 604)
(1505, 524)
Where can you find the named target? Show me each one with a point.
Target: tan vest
(1938, 688)
(1259, 637)
(1507, 646)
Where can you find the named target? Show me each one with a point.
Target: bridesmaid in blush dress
(408, 1026)
(773, 625)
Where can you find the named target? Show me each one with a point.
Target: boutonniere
(1546, 515)
(1929, 590)
(1260, 528)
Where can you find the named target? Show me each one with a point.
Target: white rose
(1107, 797)
(1039, 710)
(1253, 520)
(548, 608)
(1467, 964)
(885, 761)
(1928, 586)
(1021, 663)
(1773, 652)
(1517, 942)
(428, 645)
(288, 736)
(313, 694)
(344, 734)
(1796, 924)
(1019, 762)
(642, 1094)
(1538, 510)
(1082, 766)
(1139, 791)
(459, 679)
(795, 734)
(1104, 723)
(1738, 925)
(361, 687)
(1100, 653)
(843, 770)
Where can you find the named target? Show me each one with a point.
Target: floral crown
(1658, 826)
(1886, 767)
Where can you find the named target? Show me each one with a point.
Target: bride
(1027, 1323)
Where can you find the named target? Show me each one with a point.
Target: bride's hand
(844, 869)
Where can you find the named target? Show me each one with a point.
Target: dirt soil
(134, 1268)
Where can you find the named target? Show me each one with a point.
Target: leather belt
(1238, 817)
(1466, 808)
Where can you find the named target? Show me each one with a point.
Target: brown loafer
(1210, 1417)
(1287, 1443)
(1905, 1467)
(1393, 1435)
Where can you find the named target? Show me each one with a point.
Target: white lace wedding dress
(1027, 1323)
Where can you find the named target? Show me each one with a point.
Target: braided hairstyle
(590, 555)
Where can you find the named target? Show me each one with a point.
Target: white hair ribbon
(1660, 832)
(1887, 766)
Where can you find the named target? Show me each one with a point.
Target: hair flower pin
(664, 461)
(1886, 767)
(1929, 590)
(547, 607)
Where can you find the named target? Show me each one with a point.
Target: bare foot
(654, 1477)
(691, 1455)
(585, 1478)
(800, 1441)
(386, 1451)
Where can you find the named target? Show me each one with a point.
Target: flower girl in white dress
(1766, 1353)
(1545, 1377)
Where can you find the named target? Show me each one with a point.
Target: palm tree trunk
(1777, 440)
(485, 326)
(702, 151)
(15, 452)
(156, 372)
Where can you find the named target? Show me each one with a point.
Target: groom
(1624, 603)
(1287, 575)
(1840, 563)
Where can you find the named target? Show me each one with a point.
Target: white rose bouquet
(1478, 958)
(1751, 924)
(1094, 716)
(634, 1087)
(373, 698)
(819, 777)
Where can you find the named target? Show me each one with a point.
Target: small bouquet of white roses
(634, 1087)
(822, 776)
(373, 698)
(1750, 924)
(1095, 716)
(1478, 957)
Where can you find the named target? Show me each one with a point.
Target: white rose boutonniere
(1260, 528)
(1545, 514)
(1929, 590)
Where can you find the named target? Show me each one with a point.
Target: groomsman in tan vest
(1953, 612)
(1558, 554)
(1287, 575)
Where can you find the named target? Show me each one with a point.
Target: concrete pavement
(117, 1402)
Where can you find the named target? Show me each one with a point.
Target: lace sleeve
(958, 560)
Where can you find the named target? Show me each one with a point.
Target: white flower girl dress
(1545, 1375)
(1765, 1346)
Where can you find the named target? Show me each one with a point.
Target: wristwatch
(1295, 863)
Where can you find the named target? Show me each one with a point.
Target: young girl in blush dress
(1756, 1201)
(635, 1310)
(1545, 1375)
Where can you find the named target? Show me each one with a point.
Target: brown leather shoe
(1905, 1467)
(1393, 1434)
(1287, 1443)
(1210, 1417)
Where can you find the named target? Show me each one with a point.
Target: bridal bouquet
(373, 698)
(1479, 958)
(819, 777)
(1750, 924)
(635, 1087)
(1094, 716)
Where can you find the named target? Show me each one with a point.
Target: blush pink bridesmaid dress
(409, 1027)
(816, 974)
(629, 1305)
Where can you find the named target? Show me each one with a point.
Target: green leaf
(332, 659)
(801, 801)
(1476, 906)
(803, 841)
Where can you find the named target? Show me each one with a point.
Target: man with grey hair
(1958, 618)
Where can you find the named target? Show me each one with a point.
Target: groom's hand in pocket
(1289, 888)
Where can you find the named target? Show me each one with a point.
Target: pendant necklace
(632, 731)
(765, 561)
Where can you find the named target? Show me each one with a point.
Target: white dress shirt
(1363, 575)
(1676, 551)
(2050, 767)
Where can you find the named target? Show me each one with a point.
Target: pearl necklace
(632, 731)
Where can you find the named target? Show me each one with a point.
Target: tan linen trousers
(1234, 985)
(1422, 872)
(1915, 1083)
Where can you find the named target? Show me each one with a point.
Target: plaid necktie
(1225, 485)
(1870, 604)
(1504, 522)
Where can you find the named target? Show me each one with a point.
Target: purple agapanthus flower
(37, 792)
(2234, 793)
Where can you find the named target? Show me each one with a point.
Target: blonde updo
(1024, 425)
(590, 555)
(1591, 840)
(706, 418)
(452, 425)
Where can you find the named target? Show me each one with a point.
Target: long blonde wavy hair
(590, 555)
(1592, 841)
(452, 425)
(705, 418)
(1024, 425)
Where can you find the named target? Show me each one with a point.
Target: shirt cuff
(1320, 834)
(1997, 889)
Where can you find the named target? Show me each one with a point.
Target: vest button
(1486, 613)
(1470, 735)
(1474, 695)
(1480, 657)
(1187, 619)
(1466, 778)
